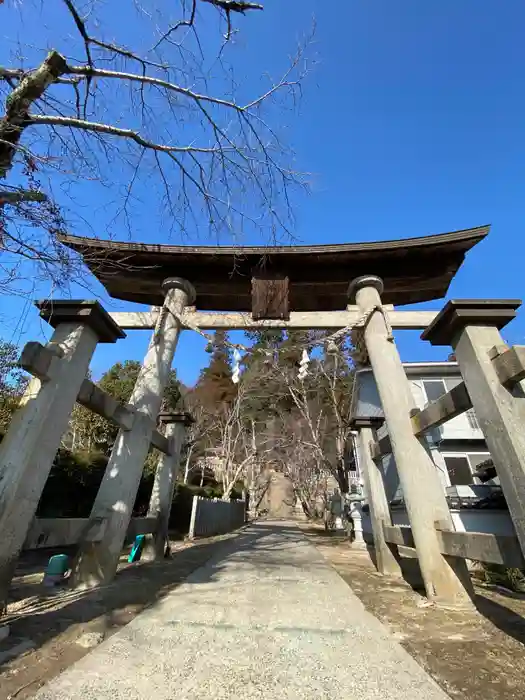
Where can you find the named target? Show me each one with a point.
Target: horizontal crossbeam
(41, 361)
(477, 546)
(510, 365)
(399, 535)
(95, 399)
(381, 448)
(448, 406)
(101, 403)
(299, 320)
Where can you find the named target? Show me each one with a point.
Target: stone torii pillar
(164, 484)
(31, 443)
(387, 558)
(446, 579)
(472, 327)
(97, 562)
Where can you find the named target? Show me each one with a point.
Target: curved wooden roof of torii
(413, 269)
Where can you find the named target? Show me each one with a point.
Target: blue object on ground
(58, 565)
(56, 570)
(137, 549)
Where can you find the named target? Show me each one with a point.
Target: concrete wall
(62, 532)
(215, 517)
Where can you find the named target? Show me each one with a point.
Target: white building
(458, 447)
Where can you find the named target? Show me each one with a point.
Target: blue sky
(411, 123)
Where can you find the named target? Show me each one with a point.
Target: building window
(472, 420)
(458, 468)
(434, 389)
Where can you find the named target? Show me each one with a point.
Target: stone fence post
(164, 484)
(28, 450)
(472, 328)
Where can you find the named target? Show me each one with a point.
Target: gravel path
(265, 618)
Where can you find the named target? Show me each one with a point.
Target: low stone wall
(64, 532)
(215, 517)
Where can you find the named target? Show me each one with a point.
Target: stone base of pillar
(154, 548)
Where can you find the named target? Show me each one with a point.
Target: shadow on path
(40, 616)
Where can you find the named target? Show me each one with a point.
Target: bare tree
(304, 466)
(162, 111)
(194, 436)
(236, 450)
(335, 382)
(321, 420)
(257, 475)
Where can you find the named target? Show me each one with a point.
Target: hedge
(75, 478)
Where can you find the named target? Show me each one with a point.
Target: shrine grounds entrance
(346, 289)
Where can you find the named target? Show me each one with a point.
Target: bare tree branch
(136, 123)
(235, 5)
(113, 131)
(30, 88)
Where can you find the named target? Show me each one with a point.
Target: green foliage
(72, 485)
(75, 479)
(265, 337)
(120, 379)
(12, 382)
(511, 578)
(89, 431)
(214, 386)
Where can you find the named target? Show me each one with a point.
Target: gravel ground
(265, 617)
(475, 655)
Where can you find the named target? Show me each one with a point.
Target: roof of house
(440, 369)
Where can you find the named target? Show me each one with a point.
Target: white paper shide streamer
(236, 373)
(303, 365)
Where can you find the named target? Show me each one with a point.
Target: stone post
(446, 579)
(164, 484)
(356, 513)
(472, 328)
(387, 558)
(97, 562)
(31, 443)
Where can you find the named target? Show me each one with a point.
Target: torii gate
(302, 287)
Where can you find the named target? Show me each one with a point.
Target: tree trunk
(18, 103)
(187, 467)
